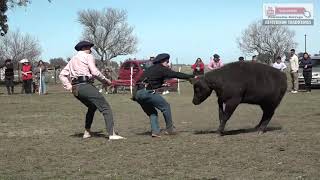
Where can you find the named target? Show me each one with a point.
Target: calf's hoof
(220, 133)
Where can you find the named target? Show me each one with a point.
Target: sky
(186, 29)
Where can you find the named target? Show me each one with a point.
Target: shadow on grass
(238, 131)
(161, 132)
(144, 133)
(93, 134)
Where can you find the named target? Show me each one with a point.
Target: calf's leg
(226, 109)
(266, 117)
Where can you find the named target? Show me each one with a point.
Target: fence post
(179, 81)
(40, 89)
(55, 75)
(131, 83)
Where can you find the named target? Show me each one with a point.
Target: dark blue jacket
(305, 62)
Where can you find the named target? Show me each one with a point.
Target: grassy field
(40, 138)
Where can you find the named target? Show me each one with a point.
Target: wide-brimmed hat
(83, 44)
(24, 61)
(161, 58)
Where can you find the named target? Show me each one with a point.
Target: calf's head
(201, 91)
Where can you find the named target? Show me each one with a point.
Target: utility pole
(305, 43)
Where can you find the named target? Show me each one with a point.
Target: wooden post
(39, 88)
(131, 81)
(179, 81)
(55, 75)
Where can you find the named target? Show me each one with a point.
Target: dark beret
(216, 56)
(83, 44)
(160, 58)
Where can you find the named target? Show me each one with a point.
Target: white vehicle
(315, 81)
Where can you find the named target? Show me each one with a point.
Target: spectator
(27, 76)
(241, 59)
(294, 67)
(279, 64)
(9, 76)
(198, 67)
(215, 63)
(41, 79)
(254, 59)
(306, 64)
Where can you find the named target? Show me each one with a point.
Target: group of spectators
(305, 63)
(31, 78)
(198, 66)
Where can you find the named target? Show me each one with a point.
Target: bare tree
(17, 46)
(266, 40)
(4, 5)
(109, 31)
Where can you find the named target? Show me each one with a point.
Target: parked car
(315, 81)
(138, 67)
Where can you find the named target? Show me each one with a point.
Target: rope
(183, 81)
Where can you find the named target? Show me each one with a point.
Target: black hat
(83, 44)
(241, 58)
(216, 56)
(160, 58)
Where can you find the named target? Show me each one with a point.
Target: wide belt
(81, 80)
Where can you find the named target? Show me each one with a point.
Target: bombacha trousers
(294, 80)
(9, 84)
(90, 97)
(307, 75)
(149, 102)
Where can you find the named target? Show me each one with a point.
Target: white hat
(24, 61)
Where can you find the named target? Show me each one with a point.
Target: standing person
(254, 59)
(27, 76)
(241, 59)
(215, 63)
(42, 78)
(306, 64)
(279, 64)
(9, 76)
(152, 79)
(198, 67)
(294, 67)
(81, 70)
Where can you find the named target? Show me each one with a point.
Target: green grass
(40, 138)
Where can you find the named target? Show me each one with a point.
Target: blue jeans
(43, 84)
(149, 101)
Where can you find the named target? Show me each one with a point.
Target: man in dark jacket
(9, 76)
(152, 79)
(306, 64)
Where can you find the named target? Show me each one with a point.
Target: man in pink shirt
(77, 77)
(215, 63)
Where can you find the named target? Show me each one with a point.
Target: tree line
(112, 35)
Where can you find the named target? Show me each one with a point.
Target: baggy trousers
(307, 79)
(149, 101)
(9, 84)
(294, 81)
(27, 86)
(90, 96)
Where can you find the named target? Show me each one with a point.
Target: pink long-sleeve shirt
(215, 65)
(82, 64)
